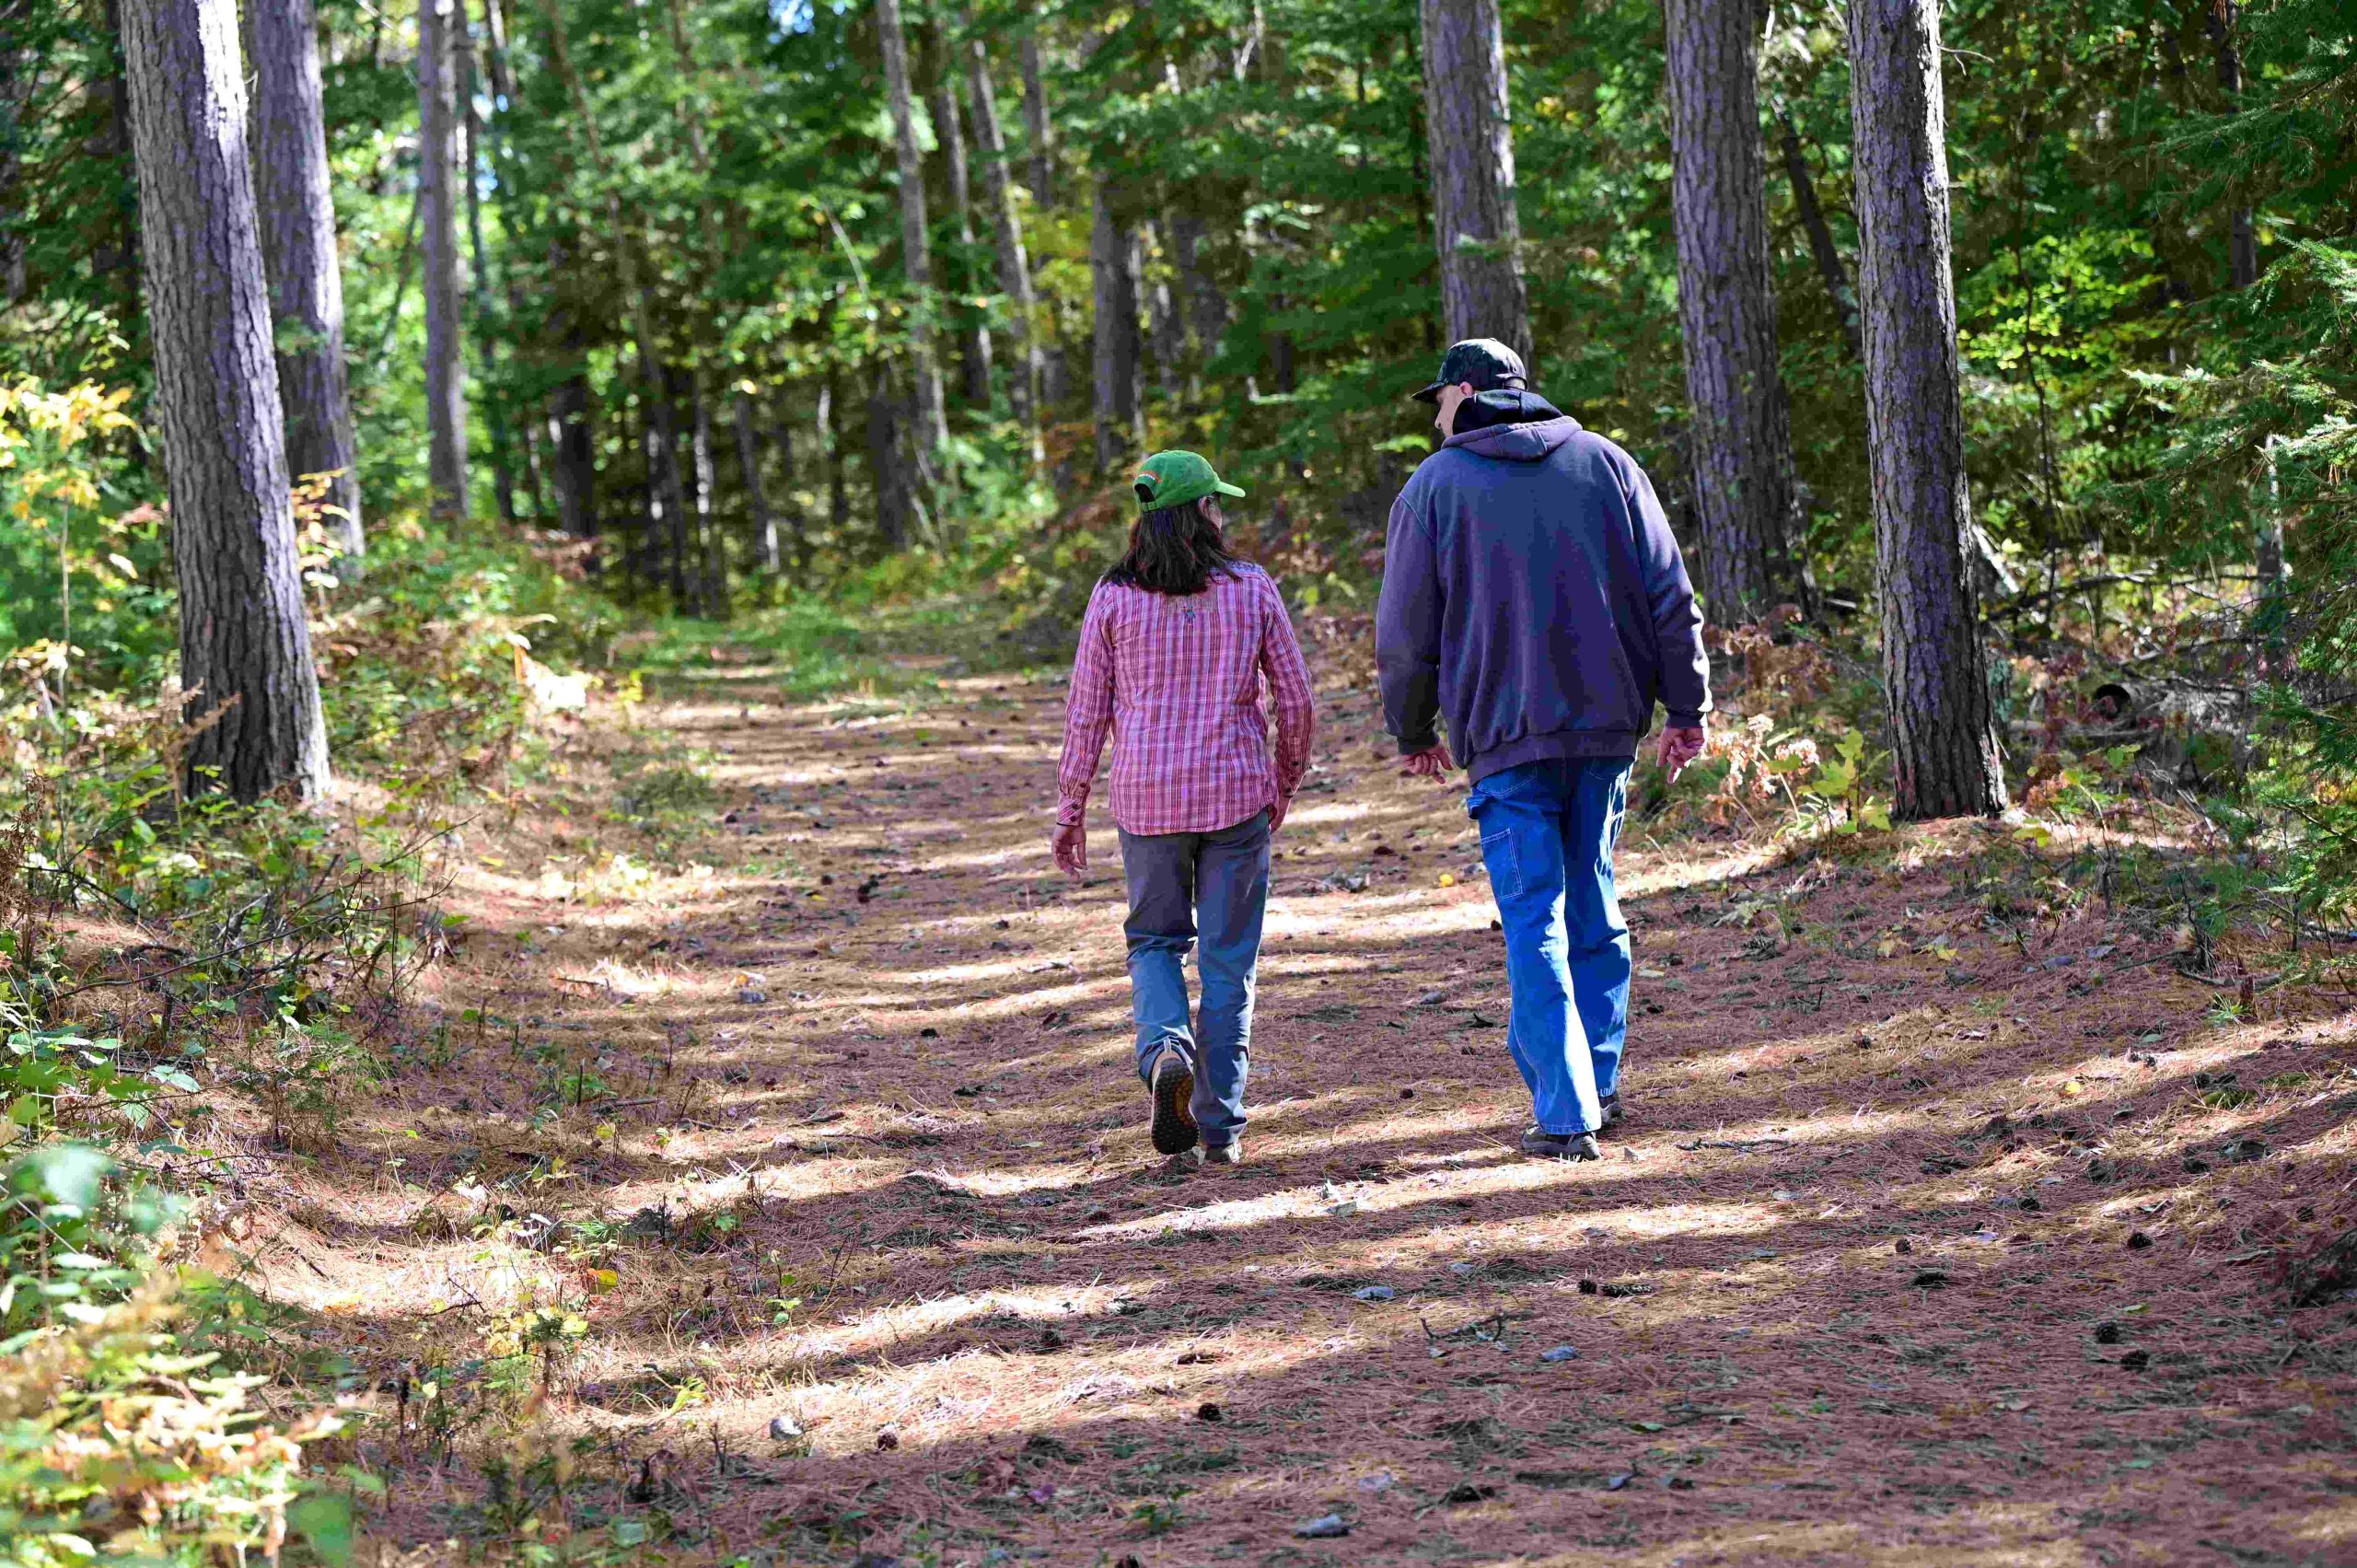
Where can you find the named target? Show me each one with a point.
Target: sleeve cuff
(1070, 811)
(1684, 720)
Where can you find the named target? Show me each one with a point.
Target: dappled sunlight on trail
(833, 1152)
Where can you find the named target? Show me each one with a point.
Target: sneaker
(1172, 1083)
(1542, 1145)
(1611, 1106)
(1229, 1153)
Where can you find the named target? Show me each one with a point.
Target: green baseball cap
(1173, 479)
(1486, 363)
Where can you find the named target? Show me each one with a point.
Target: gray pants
(1180, 882)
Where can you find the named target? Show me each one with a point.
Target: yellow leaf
(603, 1280)
(2073, 1089)
(1448, 879)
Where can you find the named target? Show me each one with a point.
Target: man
(1534, 596)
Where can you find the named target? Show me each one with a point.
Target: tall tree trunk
(931, 429)
(1113, 265)
(1167, 326)
(1820, 235)
(2242, 239)
(712, 592)
(1039, 123)
(749, 470)
(789, 501)
(973, 339)
(297, 220)
(1935, 684)
(16, 90)
(574, 451)
(1746, 493)
(440, 25)
(1475, 228)
(1014, 265)
(887, 442)
(830, 458)
(479, 294)
(666, 495)
(245, 646)
(1206, 307)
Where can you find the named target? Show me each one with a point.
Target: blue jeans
(1177, 881)
(1548, 832)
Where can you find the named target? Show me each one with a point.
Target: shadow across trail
(1918, 1246)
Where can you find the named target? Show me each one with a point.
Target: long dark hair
(1174, 550)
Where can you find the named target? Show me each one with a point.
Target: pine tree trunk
(574, 457)
(2242, 237)
(1040, 125)
(1206, 307)
(16, 90)
(245, 646)
(1014, 265)
(1943, 733)
(479, 294)
(1746, 493)
(749, 470)
(1475, 228)
(973, 339)
(439, 179)
(830, 458)
(712, 592)
(1820, 235)
(297, 219)
(1113, 265)
(931, 428)
(667, 495)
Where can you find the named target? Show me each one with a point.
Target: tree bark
(297, 224)
(245, 646)
(973, 338)
(479, 294)
(573, 456)
(2242, 239)
(830, 458)
(713, 591)
(749, 469)
(1014, 265)
(16, 90)
(1039, 123)
(1475, 228)
(1746, 492)
(931, 428)
(667, 495)
(1935, 685)
(1820, 235)
(1206, 307)
(438, 24)
(887, 438)
(1113, 265)
(1168, 326)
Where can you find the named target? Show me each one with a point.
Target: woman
(1173, 650)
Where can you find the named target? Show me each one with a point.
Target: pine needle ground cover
(779, 1193)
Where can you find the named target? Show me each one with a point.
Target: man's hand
(1069, 844)
(1680, 744)
(1279, 809)
(1432, 762)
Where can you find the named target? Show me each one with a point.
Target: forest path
(1833, 1296)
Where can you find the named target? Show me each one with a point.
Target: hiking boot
(1610, 1104)
(1229, 1153)
(1172, 1083)
(1542, 1145)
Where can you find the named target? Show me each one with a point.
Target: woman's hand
(1069, 844)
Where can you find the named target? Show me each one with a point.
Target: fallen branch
(1739, 1144)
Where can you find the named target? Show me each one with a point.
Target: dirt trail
(1838, 1293)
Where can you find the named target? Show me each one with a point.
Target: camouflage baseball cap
(1488, 364)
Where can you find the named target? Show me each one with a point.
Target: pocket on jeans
(1505, 865)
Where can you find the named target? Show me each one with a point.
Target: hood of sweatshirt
(1518, 427)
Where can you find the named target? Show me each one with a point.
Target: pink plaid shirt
(1178, 681)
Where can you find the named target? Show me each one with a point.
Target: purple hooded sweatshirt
(1534, 595)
